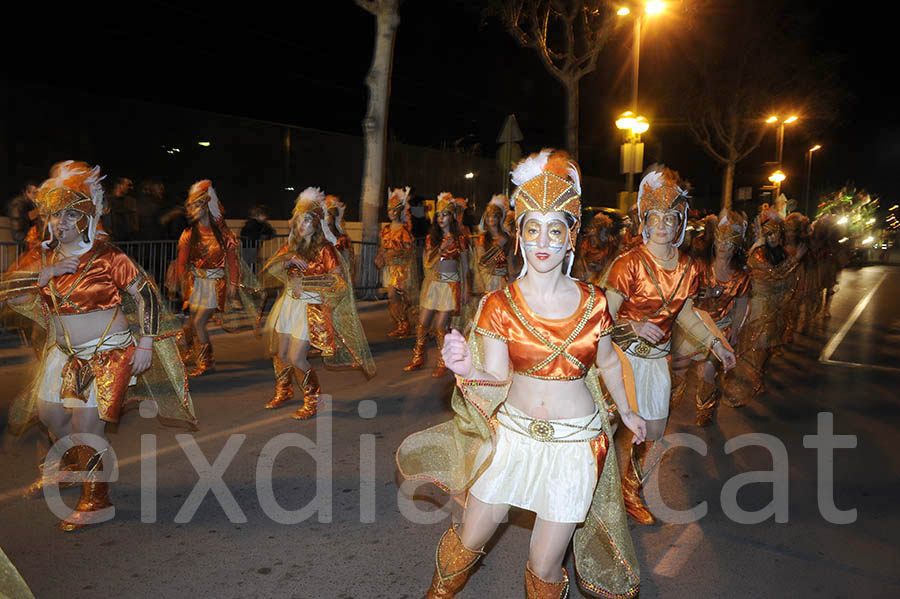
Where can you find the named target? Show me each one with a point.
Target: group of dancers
(548, 366)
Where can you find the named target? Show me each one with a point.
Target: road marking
(134, 459)
(680, 551)
(838, 337)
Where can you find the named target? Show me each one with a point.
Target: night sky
(456, 76)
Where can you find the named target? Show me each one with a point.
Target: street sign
(510, 131)
(631, 158)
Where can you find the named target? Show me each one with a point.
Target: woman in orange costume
(796, 234)
(531, 429)
(724, 295)
(446, 280)
(208, 270)
(773, 274)
(648, 288)
(396, 257)
(316, 308)
(489, 264)
(596, 250)
(88, 295)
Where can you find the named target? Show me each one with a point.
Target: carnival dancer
(773, 276)
(315, 309)
(489, 267)
(211, 276)
(596, 250)
(89, 296)
(396, 258)
(446, 280)
(648, 288)
(724, 295)
(531, 429)
(796, 234)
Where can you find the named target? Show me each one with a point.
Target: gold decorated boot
(418, 359)
(309, 384)
(205, 360)
(538, 588)
(400, 316)
(94, 494)
(453, 564)
(440, 369)
(284, 383)
(187, 344)
(67, 463)
(707, 399)
(632, 481)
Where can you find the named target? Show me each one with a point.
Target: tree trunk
(374, 125)
(571, 85)
(728, 185)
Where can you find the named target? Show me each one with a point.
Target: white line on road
(677, 555)
(838, 337)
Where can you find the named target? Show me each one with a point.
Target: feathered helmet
(73, 185)
(731, 227)
(311, 201)
(336, 208)
(770, 222)
(398, 200)
(548, 181)
(202, 196)
(499, 204)
(662, 190)
(445, 203)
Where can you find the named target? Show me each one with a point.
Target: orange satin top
(633, 275)
(103, 272)
(207, 253)
(326, 261)
(396, 239)
(451, 246)
(500, 262)
(737, 286)
(535, 342)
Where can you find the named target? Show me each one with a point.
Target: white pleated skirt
(288, 315)
(556, 481)
(653, 386)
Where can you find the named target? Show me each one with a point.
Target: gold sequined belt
(545, 430)
(644, 349)
(208, 273)
(446, 277)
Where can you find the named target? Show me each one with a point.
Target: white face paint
(545, 237)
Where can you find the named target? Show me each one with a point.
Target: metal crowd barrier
(156, 257)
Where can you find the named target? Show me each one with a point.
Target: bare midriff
(87, 327)
(550, 400)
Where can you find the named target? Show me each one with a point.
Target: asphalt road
(370, 539)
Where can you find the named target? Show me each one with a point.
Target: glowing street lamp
(623, 12)
(777, 177)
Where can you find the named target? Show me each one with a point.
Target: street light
(779, 144)
(651, 8)
(809, 154)
(777, 177)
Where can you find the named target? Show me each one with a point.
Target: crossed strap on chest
(556, 350)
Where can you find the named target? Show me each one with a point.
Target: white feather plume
(530, 167)
(312, 194)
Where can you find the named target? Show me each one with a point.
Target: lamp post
(651, 8)
(809, 154)
(776, 178)
(632, 155)
(779, 142)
